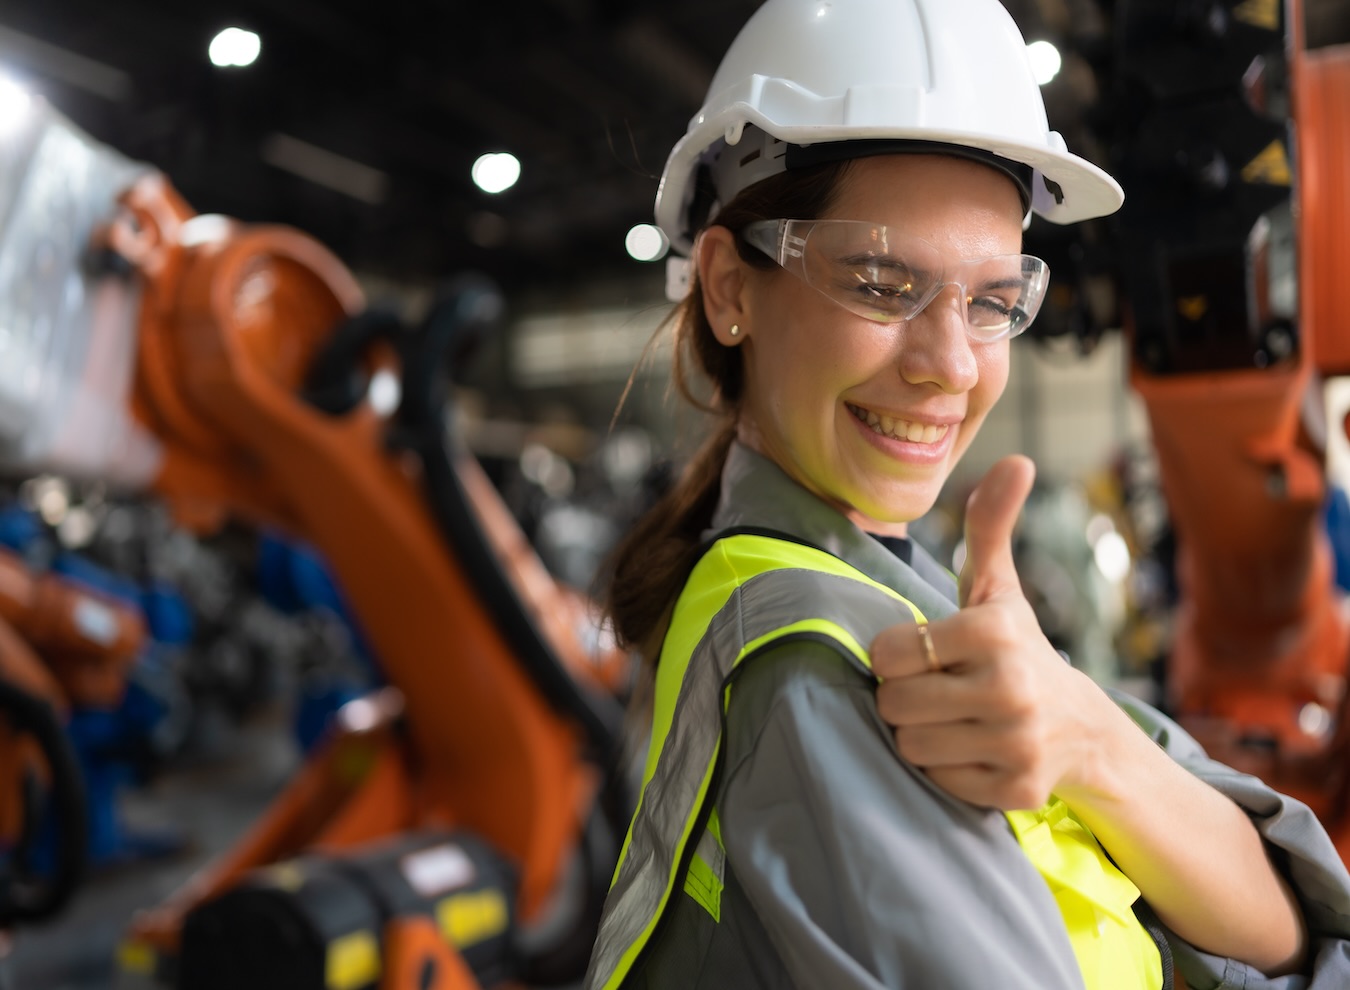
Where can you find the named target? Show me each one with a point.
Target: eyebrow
(1002, 283)
(885, 261)
(921, 274)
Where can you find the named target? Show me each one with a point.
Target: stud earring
(735, 330)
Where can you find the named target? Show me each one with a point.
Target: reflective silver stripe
(711, 852)
(669, 806)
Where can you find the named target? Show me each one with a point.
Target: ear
(722, 277)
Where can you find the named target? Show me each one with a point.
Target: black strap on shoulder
(1149, 919)
(764, 531)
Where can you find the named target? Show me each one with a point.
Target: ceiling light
(496, 172)
(14, 104)
(234, 46)
(646, 243)
(1045, 61)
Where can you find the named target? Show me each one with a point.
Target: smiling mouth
(898, 429)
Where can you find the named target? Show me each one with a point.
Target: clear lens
(885, 276)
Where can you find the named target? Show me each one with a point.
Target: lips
(899, 429)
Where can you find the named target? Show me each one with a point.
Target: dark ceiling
(589, 94)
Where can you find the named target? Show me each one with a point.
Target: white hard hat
(803, 73)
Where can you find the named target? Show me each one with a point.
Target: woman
(986, 816)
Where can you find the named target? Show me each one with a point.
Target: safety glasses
(887, 276)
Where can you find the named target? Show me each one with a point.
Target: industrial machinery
(458, 827)
(237, 371)
(1233, 141)
(61, 645)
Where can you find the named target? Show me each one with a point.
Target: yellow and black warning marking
(1259, 13)
(1270, 167)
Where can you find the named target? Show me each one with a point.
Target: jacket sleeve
(1300, 849)
(861, 871)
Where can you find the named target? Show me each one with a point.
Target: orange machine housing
(1258, 668)
(232, 319)
(61, 645)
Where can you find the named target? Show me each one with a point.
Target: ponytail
(653, 562)
(655, 558)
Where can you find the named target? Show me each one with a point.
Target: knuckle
(909, 744)
(882, 653)
(890, 704)
(1021, 793)
(957, 784)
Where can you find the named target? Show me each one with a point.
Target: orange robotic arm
(235, 371)
(233, 319)
(1262, 636)
(60, 645)
(33, 747)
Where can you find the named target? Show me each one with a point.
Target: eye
(991, 306)
(887, 285)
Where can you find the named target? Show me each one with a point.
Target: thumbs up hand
(1000, 720)
(989, 572)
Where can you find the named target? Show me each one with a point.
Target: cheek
(993, 363)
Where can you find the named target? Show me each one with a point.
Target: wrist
(1107, 747)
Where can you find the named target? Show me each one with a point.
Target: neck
(747, 434)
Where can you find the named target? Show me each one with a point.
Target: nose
(936, 347)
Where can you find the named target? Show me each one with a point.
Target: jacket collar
(756, 492)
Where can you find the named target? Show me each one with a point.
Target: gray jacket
(847, 868)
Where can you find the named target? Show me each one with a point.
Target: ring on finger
(929, 651)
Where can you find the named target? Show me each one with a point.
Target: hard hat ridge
(848, 74)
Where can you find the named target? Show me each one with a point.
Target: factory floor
(209, 801)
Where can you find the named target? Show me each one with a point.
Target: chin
(899, 512)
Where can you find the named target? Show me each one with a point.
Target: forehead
(973, 209)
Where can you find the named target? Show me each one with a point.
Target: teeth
(899, 429)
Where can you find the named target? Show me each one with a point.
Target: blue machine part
(319, 700)
(168, 615)
(115, 746)
(115, 749)
(1336, 514)
(100, 579)
(294, 578)
(19, 528)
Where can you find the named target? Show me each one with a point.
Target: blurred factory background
(520, 142)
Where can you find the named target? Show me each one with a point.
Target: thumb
(991, 514)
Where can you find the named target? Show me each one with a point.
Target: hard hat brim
(1065, 187)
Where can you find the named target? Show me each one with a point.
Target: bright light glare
(234, 46)
(14, 105)
(496, 172)
(646, 243)
(1045, 61)
(385, 392)
(1112, 554)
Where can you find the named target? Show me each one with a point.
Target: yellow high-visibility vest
(1113, 950)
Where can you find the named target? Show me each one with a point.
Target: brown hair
(652, 563)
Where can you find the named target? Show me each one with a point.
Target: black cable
(25, 897)
(467, 309)
(336, 382)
